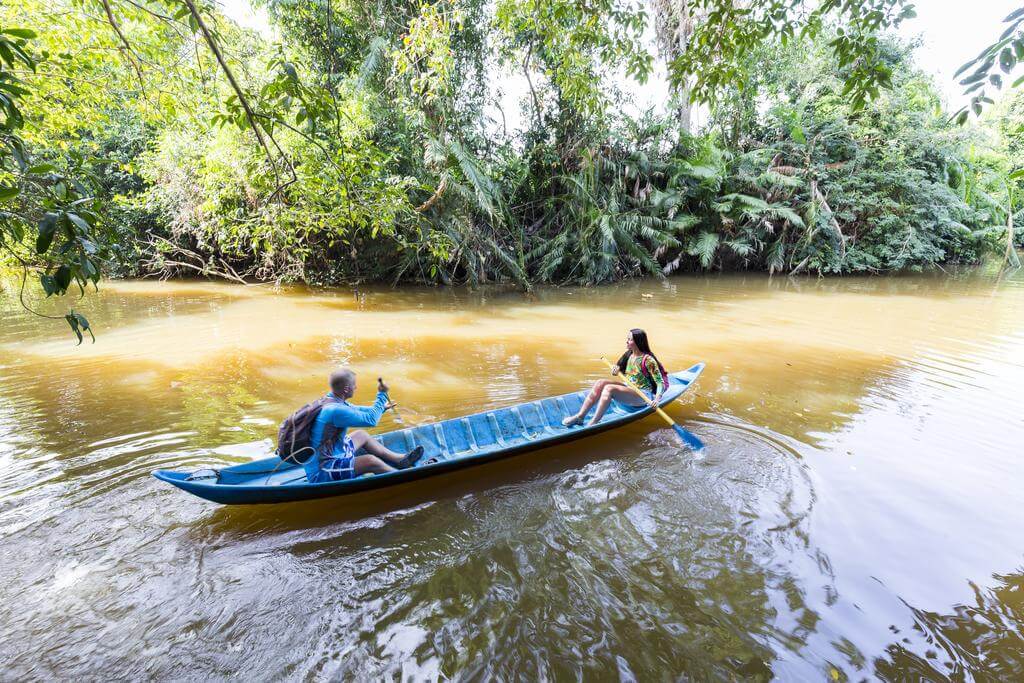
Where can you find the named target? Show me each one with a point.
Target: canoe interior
(456, 442)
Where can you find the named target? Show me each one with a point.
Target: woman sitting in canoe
(640, 366)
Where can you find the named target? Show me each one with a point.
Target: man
(341, 456)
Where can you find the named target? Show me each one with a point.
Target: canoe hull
(456, 443)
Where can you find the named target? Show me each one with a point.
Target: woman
(640, 366)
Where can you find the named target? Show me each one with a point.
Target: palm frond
(705, 247)
(776, 256)
(772, 179)
(371, 63)
(488, 194)
(739, 247)
(785, 213)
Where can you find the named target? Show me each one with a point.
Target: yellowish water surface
(856, 514)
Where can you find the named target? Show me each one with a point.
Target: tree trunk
(673, 26)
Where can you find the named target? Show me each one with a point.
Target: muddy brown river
(857, 513)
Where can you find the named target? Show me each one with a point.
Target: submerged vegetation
(367, 140)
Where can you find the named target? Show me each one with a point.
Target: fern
(740, 247)
(775, 258)
(785, 213)
(371, 63)
(705, 247)
(488, 194)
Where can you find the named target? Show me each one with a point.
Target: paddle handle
(690, 440)
(398, 416)
(639, 392)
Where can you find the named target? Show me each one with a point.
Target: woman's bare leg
(361, 439)
(595, 392)
(617, 392)
(592, 397)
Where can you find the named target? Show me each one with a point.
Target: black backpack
(293, 438)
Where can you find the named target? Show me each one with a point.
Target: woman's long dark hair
(640, 339)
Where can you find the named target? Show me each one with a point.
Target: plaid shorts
(343, 466)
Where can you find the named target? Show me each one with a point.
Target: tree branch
(434, 197)
(162, 265)
(126, 48)
(533, 93)
(250, 114)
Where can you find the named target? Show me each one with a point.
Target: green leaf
(89, 269)
(15, 90)
(79, 222)
(704, 248)
(974, 78)
(1007, 60)
(8, 193)
(47, 227)
(79, 324)
(26, 33)
(40, 169)
(1014, 14)
(48, 283)
(964, 68)
(88, 246)
(63, 278)
(5, 53)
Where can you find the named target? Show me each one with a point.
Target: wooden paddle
(688, 438)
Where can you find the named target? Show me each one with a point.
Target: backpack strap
(330, 435)
(650, 375)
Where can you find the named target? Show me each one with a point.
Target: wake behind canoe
(450, 444)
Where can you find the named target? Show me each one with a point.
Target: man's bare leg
(370, 463)
(360, 439)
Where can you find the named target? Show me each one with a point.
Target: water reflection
(859, 477)
(982, 640)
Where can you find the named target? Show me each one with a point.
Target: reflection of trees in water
(108, 309)
(799, 391)
(983, 641)
(217, 398)
(647, 565)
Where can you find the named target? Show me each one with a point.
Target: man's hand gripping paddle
(391, 404)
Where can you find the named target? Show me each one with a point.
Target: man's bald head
(343, 382)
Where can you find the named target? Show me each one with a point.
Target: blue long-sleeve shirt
(336, 418)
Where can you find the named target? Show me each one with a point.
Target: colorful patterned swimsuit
(641, 369)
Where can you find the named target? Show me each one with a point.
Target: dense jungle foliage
(366, 141)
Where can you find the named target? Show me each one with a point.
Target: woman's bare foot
(572, 420)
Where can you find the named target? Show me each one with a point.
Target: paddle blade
(689, 438)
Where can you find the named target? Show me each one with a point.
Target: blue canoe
(454, 444)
